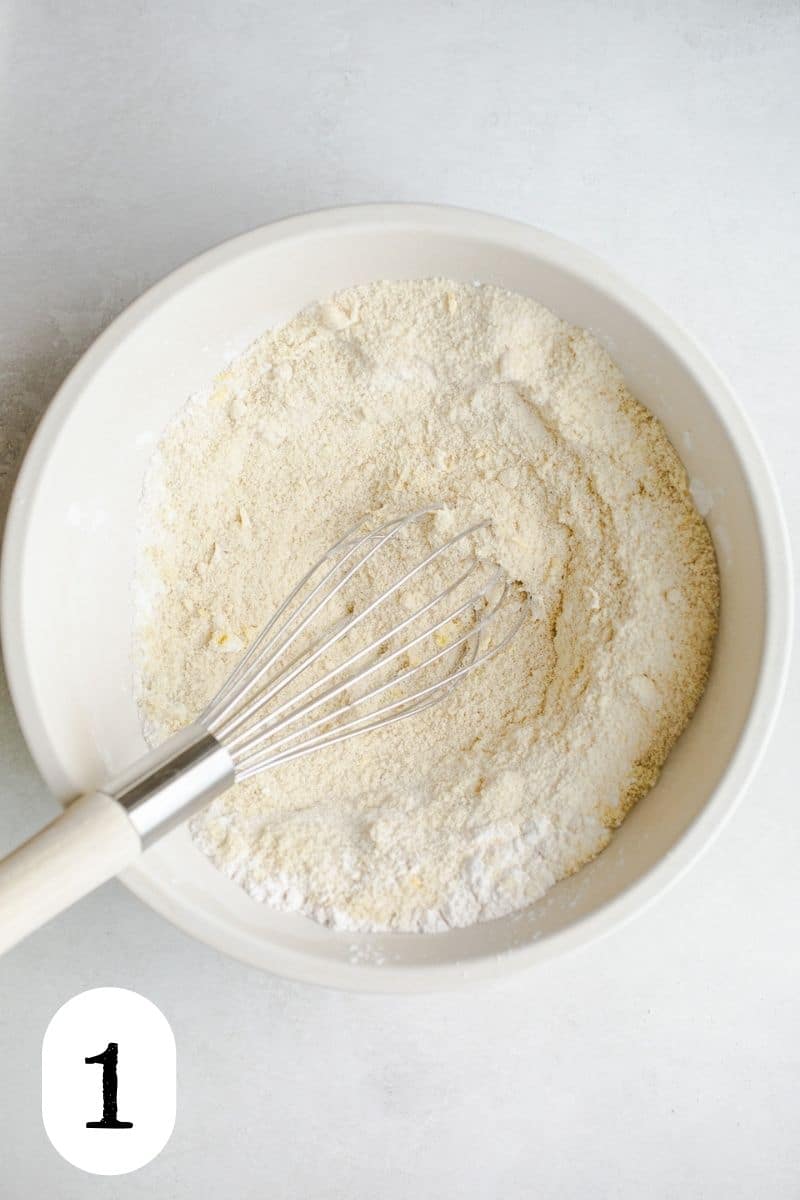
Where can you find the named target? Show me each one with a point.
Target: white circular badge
(108, 1081)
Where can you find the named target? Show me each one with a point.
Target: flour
(384, 399)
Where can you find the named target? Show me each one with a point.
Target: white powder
(384, 399)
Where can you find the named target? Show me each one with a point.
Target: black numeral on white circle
(129, 1071)
(110, 1083)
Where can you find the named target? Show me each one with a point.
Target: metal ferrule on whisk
(163, 788)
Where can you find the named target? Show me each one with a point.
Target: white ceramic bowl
(69, 552)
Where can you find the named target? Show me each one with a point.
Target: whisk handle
(102, 832)
(92, 840)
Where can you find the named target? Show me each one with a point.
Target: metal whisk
(313, 677)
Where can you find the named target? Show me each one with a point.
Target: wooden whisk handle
(91, 841)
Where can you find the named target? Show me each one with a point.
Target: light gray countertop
(664, 1060)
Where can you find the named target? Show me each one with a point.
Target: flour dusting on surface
(383, 399)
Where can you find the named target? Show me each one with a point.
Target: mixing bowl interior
(68, 575)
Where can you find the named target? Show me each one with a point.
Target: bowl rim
(776, 648)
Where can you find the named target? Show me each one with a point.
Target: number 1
(109, 1060)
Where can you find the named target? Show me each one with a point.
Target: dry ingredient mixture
(383, 399)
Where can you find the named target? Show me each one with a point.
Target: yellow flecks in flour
(383, 399)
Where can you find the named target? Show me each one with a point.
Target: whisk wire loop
(260, 731)
(268, 726)
(258, 660)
